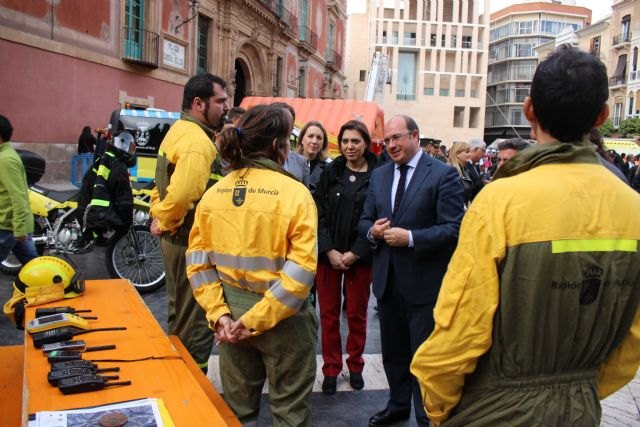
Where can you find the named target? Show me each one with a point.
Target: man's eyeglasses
(395, 138)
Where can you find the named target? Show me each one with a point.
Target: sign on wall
(173, 54)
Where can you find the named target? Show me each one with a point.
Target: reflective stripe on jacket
(183, 170)
(107, 189)
(537, 317)
(256, 230)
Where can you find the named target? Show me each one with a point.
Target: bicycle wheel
(143, 268)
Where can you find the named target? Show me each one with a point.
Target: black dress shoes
(387, 418)
(356, 380)
(329, 385)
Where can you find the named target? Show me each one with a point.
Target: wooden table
(189, 397)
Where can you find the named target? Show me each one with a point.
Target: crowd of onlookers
(486, 265)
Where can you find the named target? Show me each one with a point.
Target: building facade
(515, 33)
(624, 78)
(430, 62)
(69, 63)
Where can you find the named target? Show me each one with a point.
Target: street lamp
(193, 7)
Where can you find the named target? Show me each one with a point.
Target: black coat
(114, 192)
(476, 179)
(328, 196)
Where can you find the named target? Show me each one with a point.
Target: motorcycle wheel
(145, 270)
(11, 265)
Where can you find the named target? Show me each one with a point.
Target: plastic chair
(80, 164)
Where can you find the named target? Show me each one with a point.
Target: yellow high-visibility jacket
(255, 229)
(190, 153)
(537, 316)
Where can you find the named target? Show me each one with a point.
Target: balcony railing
(289, 20)
(622, 38)
(617, 81)
(308, 37)
(140, 47)
(334, 59)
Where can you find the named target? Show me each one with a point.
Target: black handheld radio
(86, 383)
(47, 311)
(54, 376)
(56, 356)
(65, 334)
(73, 364)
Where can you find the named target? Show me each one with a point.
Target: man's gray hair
(476, 143)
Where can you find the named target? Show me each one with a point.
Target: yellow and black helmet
(43, 279)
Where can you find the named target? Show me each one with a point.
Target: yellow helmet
(42, 280)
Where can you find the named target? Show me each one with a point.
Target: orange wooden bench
(11, 367)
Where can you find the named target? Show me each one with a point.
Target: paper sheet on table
(144, 412)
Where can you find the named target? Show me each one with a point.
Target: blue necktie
(400, 190)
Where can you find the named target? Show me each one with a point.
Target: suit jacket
(432, 208)
(476, 178)
(297, 166)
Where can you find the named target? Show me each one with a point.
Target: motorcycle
(135, 256)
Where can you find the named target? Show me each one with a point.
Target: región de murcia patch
(240, 192)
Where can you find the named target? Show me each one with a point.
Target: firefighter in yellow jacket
(183, 172)
(251, 263)
(537, 318)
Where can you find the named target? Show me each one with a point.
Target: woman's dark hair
(86, 131)
(287, 106)
(254, 135)
(359, 127)
(322, 154)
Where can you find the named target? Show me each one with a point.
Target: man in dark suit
(411, 216)
(478, 149)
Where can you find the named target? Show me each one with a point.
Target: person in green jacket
(16, 218)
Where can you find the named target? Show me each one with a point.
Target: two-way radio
(54, 376)
(56, 356)
(78, 345)
(46, 323)
(65, 334)
(47, 311)
(73, 364)
(86, 383)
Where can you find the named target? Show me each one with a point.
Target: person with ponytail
(251, 262)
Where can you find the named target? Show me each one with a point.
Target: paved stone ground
(347, 407)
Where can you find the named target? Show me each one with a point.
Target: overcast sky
(599, 8)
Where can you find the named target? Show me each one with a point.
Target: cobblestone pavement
(345, 408)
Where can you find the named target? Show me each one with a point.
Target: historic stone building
(69, 63)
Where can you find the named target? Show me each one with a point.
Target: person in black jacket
(106, 199)
(340, 197)
(86, 141)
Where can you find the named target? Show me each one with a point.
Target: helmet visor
(125, 143)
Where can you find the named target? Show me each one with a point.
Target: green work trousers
(186, 318)
(284, 354)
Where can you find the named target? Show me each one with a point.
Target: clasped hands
(228, 331)
(341, 261)
(393, 236)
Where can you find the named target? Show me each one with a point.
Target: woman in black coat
(86, 141)
(343, 254)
